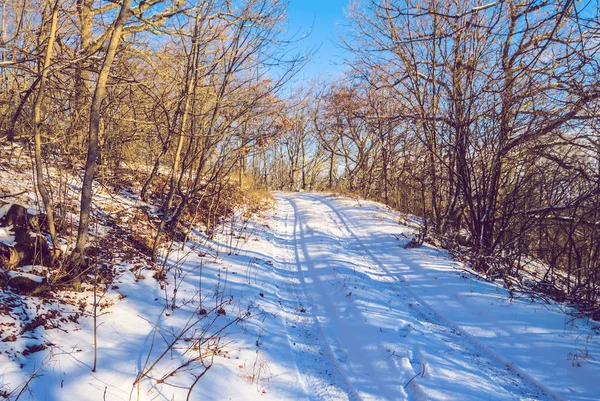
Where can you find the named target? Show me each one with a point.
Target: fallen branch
(12, 195)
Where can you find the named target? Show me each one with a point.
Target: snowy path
(360, 327)
(339, 311)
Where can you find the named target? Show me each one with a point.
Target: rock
(26, 286)
(9, 257)
(34, 251)
(16, 216)
(30, 247)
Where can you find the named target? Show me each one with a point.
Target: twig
(415, 376)
(12, 195)
(195, 382)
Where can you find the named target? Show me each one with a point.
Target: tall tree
(77, 256)
(37, 121)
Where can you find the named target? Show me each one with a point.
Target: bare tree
(37, 122)
(77, 256)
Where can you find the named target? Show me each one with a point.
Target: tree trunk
(75, 137)
(331, 165)
(77, 256)
(184, 111)
(37, 122)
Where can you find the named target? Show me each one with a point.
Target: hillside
(223, 199)
(314, 298)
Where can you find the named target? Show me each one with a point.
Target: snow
(389, 314)
(32, 277)
(7, 235)
(4, 209)
(321, 302)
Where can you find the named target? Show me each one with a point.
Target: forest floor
(315, 299)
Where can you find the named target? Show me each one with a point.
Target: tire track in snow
(346, 344)
(524, 383)
(403, 370)
(405, 367)
(336, 385)
(278, 262)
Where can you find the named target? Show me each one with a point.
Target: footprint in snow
(340, 354)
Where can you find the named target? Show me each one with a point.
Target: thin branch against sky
(317, 24)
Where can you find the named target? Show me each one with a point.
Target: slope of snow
(317, 301)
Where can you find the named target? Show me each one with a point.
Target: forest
(478, 120)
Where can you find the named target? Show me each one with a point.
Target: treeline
(480, 117)
(163, 97)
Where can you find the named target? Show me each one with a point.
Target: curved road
(357, 323)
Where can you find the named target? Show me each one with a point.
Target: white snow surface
(7, 235)
(32, 277)
(4, 209)
(339, 311)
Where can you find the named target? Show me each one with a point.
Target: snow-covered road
(370, 320)
(332, 306)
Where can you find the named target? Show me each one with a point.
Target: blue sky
(327, 18)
